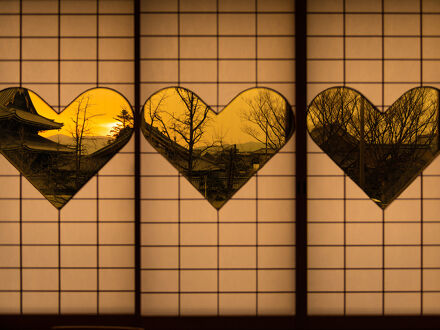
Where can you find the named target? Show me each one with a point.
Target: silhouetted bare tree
(154, 111)
(190, 124)
(82, 127)
(267, 119)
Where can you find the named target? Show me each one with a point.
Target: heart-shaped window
(59, 153)
(217, 153)
(383, 152)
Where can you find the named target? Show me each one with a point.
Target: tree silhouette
(124, 123)
(82, 127)
(154, 112)
(189, 125)
(267, 119)
(183, 123)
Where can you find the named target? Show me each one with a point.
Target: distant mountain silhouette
(250, 146)
(91, 143)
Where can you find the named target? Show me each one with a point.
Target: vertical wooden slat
(301, 161)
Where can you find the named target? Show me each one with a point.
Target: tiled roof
(16, 104)
(31, 142)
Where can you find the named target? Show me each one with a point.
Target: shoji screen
(81, 259)
(363, 260)
(195, 260)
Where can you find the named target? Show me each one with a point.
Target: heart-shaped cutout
(382, 152)
(59, 153)
(217, 153)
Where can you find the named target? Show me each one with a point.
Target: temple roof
(16, 104)
(31, 142)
